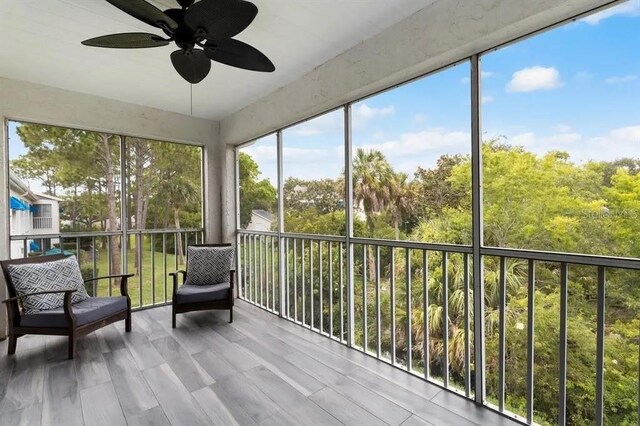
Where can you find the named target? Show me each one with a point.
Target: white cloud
(328, 123)
(534, 78)
(413, 144)
(584, 75)
(487, 99)
(365, 112)
(484, 74)
(621, 142)
(630, 8)
(419, 118)
(563, 128)
(629, 134)
(621, 79)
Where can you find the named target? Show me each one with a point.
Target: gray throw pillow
(47, 276)
(209, 265)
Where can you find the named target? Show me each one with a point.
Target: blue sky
(575, 88)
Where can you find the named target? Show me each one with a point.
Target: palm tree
(372, 175)
(402, 199)
(178, 193)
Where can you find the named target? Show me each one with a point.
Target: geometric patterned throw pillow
(56, 275)
(209, 265)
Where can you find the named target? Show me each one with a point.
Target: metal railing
(414, 308)
(149, 254)
(42, 223)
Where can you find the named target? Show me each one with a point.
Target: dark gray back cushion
(56, 275)
(209, 265)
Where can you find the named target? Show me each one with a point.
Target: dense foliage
(530, 201)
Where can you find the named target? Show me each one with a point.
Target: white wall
(41, 104)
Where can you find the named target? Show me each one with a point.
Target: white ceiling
(40, 42)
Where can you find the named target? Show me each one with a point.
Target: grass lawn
(153, 275)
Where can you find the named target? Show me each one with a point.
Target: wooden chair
(188, 298)
(73, 320)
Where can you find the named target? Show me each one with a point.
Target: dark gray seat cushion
(202, 293)
(89, 310)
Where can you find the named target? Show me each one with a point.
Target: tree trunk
(140, 152)
(176, 221)
(114, 247)
(396, 228)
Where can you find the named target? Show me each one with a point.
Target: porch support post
(348, 205)
(4, 216)
(478, 269)
(281, 246)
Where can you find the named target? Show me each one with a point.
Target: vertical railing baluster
(95, 266)
(153, 270)
(467, 318)
(331, 289)
(77, 249)
(139, 250)
(392, 279)
(25, 251)
(365, 325)
(176, 238)
(425, 314)
(341, 300)
(304, 290)
(256, 271)
(562, 379)
(320, 284)
(108, 262)
(245, 267)
(164, 264)
(502, 325)
(273, 276)
(295, 279)
(311, 283)
(599, 420)
(530, 338)
(267, 270)
(408, 309)
(261, 268)
(378, 319)
(445, 319)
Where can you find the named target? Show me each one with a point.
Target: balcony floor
(258, 370)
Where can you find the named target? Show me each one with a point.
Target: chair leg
(72, 346)
(13, 342)
(173, 318)
(127, 323)
(231, 315)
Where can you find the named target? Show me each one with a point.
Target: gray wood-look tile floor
(258, 370)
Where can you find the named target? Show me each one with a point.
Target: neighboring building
(261, 220)
(31, 214)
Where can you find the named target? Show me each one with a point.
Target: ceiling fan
(208, 24)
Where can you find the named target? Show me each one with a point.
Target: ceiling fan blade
(127, 41)
(193, 65)
(220, 19)
(238, 54)
(146, 12)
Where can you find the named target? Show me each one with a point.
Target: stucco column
(212, 191)
(4, 219)
(228, 205)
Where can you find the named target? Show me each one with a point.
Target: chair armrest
(124, 291)
(175, 281)
(37, 293)
(109, 276)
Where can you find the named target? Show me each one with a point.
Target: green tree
(255, 193)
